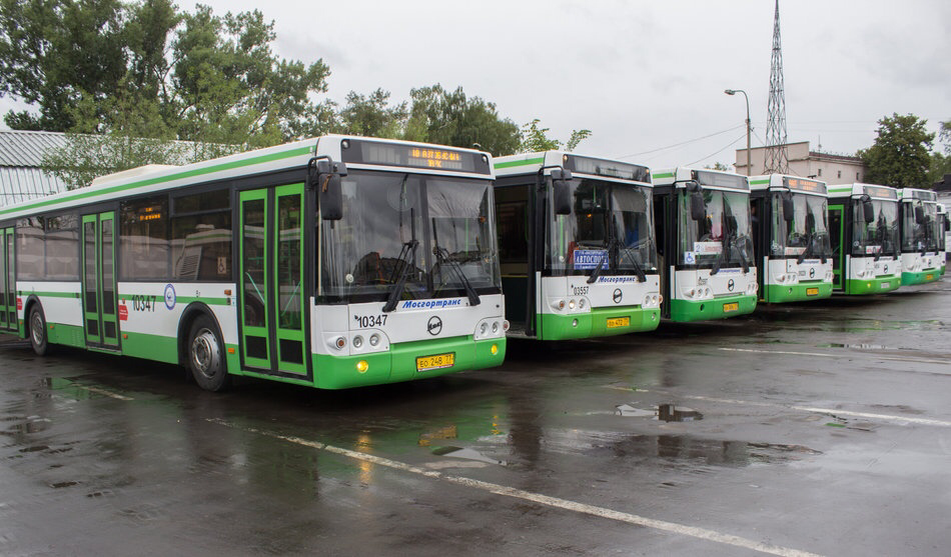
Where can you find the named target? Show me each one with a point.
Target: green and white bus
(334, 262)
(863, 228)
(920, 261)
(791, 238)
(703, 226)
(576, 246)
(942, 226)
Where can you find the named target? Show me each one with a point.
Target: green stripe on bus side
(663, 175)
(210, 301)
(170, 178)
(525, 162)
(48, 294)
(758, 182)
(151, 347)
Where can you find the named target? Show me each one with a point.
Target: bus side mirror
(326, 176)
(561, 193)
(698, 209)
(789, 209)
(868, 209)
(919, 214)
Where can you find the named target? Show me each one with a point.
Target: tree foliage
(145, 70)
(900, 156)
(534, 139)
(452, 118)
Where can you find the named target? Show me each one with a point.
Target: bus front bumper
(781, 293)
(718, 308)
(598, 322)
(400, 363)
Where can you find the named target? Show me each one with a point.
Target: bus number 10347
(366, 321)
(143, 303)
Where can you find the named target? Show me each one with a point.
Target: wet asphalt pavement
(821, 428)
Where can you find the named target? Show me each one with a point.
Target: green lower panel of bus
(908, 279)
(67, 335)
(597, 323)
(719, 308)
(151, 347)
(872, 286)
(408, 361)
(778, 293)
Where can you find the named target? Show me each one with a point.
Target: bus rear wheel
(206, 356)
(38, 338)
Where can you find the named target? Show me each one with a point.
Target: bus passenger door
(271, 289)
(836, 237)
(100, 313)
(8, 295)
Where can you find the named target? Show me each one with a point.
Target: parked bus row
(345, 261)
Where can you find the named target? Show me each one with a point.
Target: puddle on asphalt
(710, 452)
(663, 412)
(856, 346)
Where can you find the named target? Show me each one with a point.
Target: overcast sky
(642, 75)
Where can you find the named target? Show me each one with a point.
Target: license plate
(438, 361)
(886, 285)
(812, 292)
(929, 277)
(616, 322)
(727, 308)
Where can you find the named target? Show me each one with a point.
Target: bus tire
(206, 357)
(38, 337)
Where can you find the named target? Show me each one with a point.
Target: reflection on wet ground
(662, 412)
(690, 450)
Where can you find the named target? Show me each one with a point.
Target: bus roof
(714, 179)
(532, 163)
(290, 155)
(784, 182)
(856, 190)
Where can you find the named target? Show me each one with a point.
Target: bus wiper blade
(605, 259)
(641, 276)
(806, 252)
(744, 262)
(443, 257)
(724, 248)
(406, 258)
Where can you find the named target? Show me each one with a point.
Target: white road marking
(827, 355)
(813, 409)
(671, 527)
(102, 392)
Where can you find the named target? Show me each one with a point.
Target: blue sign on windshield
(589, 258)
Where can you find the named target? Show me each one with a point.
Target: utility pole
(777, 160)
(749, 163)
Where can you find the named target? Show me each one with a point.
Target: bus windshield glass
(807, 234)
(610, 226)
(919, 236)
(427, 236)
(879, 237)
(723, 237)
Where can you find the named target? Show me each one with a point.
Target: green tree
(452, 118)
(535, 139)
(371, 116)
(900, 156)
(54, 52)
(941, 162)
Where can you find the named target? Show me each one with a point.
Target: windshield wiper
(443, 258)
(405, 262)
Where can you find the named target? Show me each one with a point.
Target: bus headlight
(357, 341)
(374, 339)
(495, 328)
(558, 304)
(483, 328)
(571, 304)
(337, 342)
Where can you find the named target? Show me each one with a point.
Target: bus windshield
(919, 236)
(428, 236)
(722, 239)
(610, 226)
(808, 233)
(879, 237)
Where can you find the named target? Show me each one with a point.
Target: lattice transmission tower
(777, 161)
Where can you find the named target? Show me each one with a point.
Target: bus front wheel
(206, 356)
(38, 338)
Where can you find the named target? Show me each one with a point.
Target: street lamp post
(749, 162)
